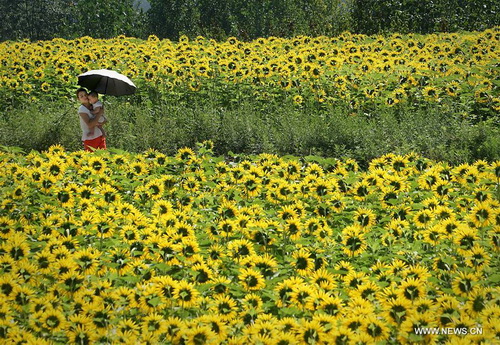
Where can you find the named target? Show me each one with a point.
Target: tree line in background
(244, 19)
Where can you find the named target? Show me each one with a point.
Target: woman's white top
(85, 128)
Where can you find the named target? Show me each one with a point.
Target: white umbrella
(107, 82)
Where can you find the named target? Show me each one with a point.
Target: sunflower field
(143, 248)
(363, 71)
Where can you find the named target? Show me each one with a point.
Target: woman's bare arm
(91, 123)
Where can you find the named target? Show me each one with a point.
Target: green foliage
(46, 19)
(248, 19)
(34, 19)
(106, 19)
(254, 127)
(424, 16)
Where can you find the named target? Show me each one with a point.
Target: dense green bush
(244, 19)
(248, 19)
(251, 128)
(423, 16)
(47, 19)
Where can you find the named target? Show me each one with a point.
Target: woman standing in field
(92, 136)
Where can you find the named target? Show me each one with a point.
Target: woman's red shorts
(94, 144)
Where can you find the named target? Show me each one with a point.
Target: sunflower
(301, 295)
(252, 301)
(6, 227)
(390, 199)
(367, 290)
(51, 320)
(284, 289)
(353, 239)
(181, 229)
(336, 202)
(293, 229)
(191, 184)
(465, 238)
(443, 213)
(361, 190)
(311, 332)
(137, 169)
(365, 217)
(16, 247)
(8, 284)
(153, 324)
(452, 88)
(482, 214)
(434, 235)
(82, 335)
(343, 268)
(423, 218)
(342, 335)
(228, 209)
(84, 192)
(185, 294)
(381, 271)
(124, 296)
(411, 289)
(448, 309)
(71, 281)
(97, 164)
(477, 258)
(224, 307)
(494, 238)
(261, 233)
(482, 194)
(464, 284)
(87, 260)
(225, 227)
(189, 247)
(202, 273)
(285, 338)
(323, 279)
(298, 100)
(21, 296)
(314, 169)
(155, 189)
(376, 328)
(55, 167)
(478, 301)
(241, 249)
(185, 154)
(109, 193)
(215, 324)
(288, 212)
(321, 231)
(266, 264)
(353, 279)
(171, 327)
(252, 186)
(201, 334)
(472, 176)
(303, 262)
(416, 271)
(397, 310)
(280, 190)
(45, 87)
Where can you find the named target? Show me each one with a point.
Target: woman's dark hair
(80, 90)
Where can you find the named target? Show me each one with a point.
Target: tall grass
(250, 127)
